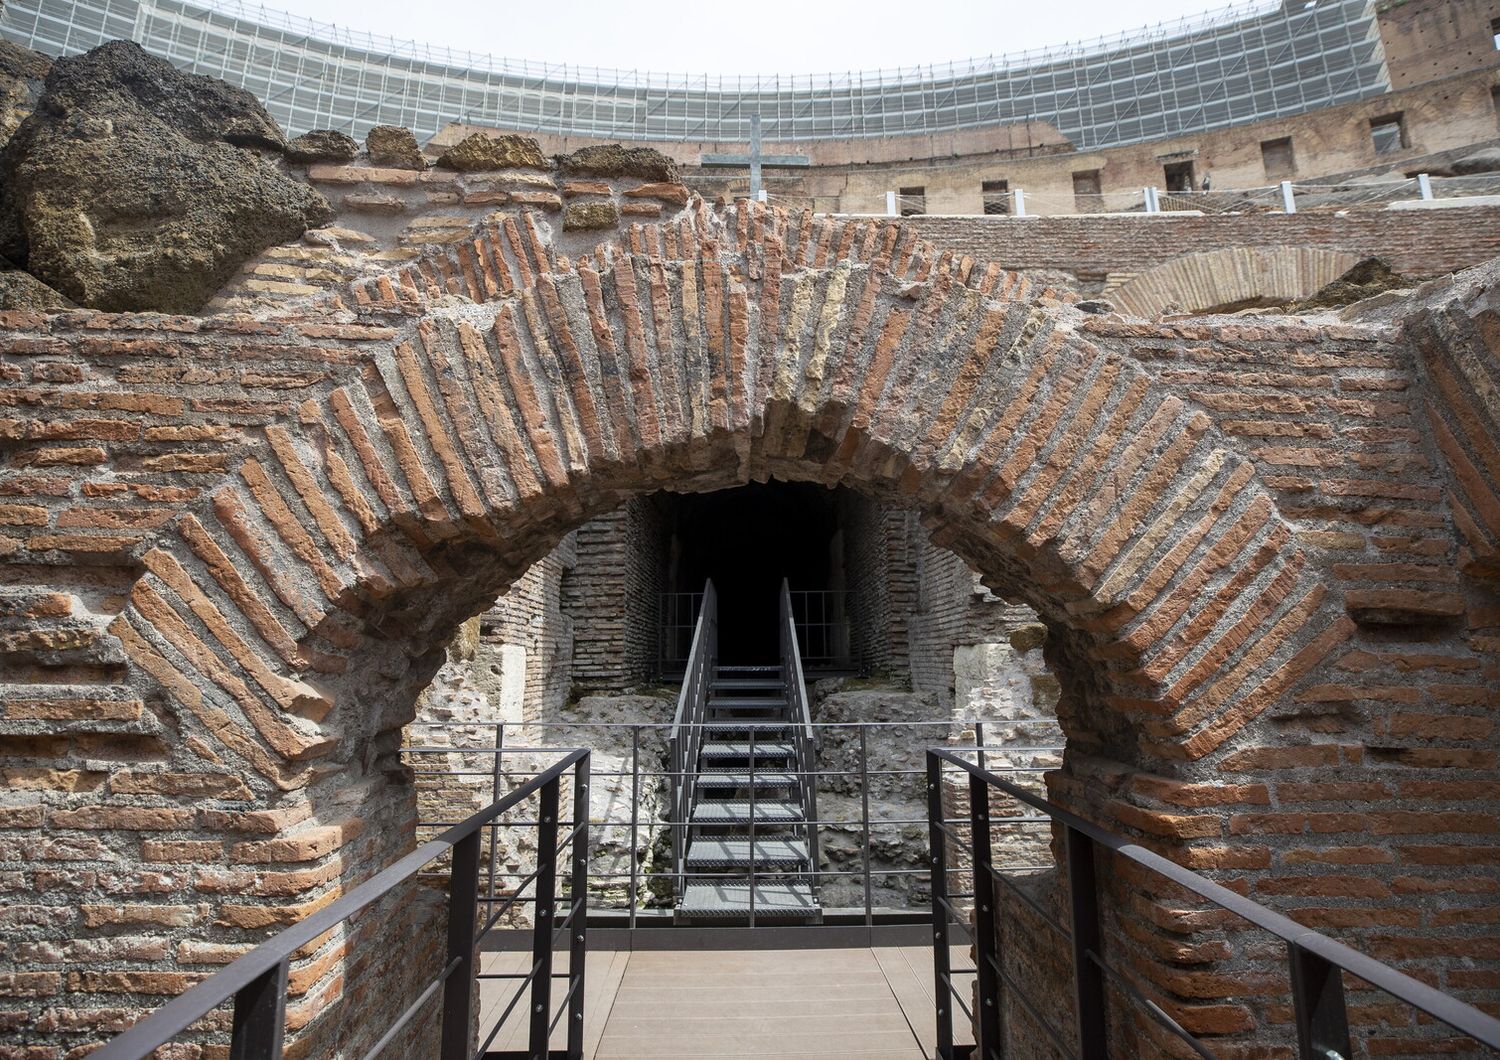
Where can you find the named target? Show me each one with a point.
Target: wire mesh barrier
(969, 886)
(256, 984)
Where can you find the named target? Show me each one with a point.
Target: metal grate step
(774, 852)
(747, 684)
(746, 702)
(741, 779)
(732, 900)
(737, 749)
(772, 729)
(734, 812)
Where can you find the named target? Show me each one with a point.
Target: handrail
(804, 739)
(257, 981)
(688, 723)
(1316, 962)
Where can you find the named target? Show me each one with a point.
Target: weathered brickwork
(952, 608)
(881, 583)
(612, 598)
(234, 548)
(1412, 242)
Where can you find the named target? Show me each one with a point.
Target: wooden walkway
(770, 1004)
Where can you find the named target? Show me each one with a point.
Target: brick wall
(879, 582)
(530, 616)
(612, 596)
(952, 609)
(234, 547)
(1413, 242)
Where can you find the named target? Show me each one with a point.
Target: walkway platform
(770, 1004)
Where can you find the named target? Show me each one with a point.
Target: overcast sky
(768, 36)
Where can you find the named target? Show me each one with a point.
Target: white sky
(766, 36)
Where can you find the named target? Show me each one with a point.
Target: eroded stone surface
(616, 160)
(322, 145)
(394, 146)
(480, 152)
(130, 187)
(21, 290)
(21, 75)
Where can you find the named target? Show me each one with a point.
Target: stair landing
(771, 1004)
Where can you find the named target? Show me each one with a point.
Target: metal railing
(1316, 963)
(804, 739)
(257, 982)
(821, 616)
(688, 726)
(878, 800)
(677, 624)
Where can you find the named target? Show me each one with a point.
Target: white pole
(1020, 203)
(1288, 200)
(1424, 185)
(890, 204)
(761, 195)
(1146, 198)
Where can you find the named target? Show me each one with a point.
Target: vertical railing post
(1318, 999)
(1088, 977)
(579, 926)
(260, 1016)
(864, 819)
(495, 825)
(1288, 197)
(458, 989)
(635, 820)
(541, 930)
(986, 924)
(938, 851)
(751, 731)
(1424, 187)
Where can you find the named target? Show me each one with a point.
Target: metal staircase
(744, 799)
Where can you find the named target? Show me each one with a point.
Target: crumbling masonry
(236, 545)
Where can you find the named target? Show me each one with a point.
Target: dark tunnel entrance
(748, 539)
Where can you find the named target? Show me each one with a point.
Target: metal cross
(755, 159)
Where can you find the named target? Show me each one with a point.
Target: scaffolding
(1239, 64)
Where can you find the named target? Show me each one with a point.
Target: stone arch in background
(1232, 278)
(496, 394)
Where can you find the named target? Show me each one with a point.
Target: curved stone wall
(1235, 277)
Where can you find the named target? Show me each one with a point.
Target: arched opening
(290, 617)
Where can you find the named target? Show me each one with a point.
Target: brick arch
(1234, 276)
(498, 393)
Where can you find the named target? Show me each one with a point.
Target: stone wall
(612, 596)
(1412, 242)
(1445, 108)
(1425, 40)
(235, 547)
(879, 583)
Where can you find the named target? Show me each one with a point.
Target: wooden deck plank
(602, 976)
(771, 1004)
